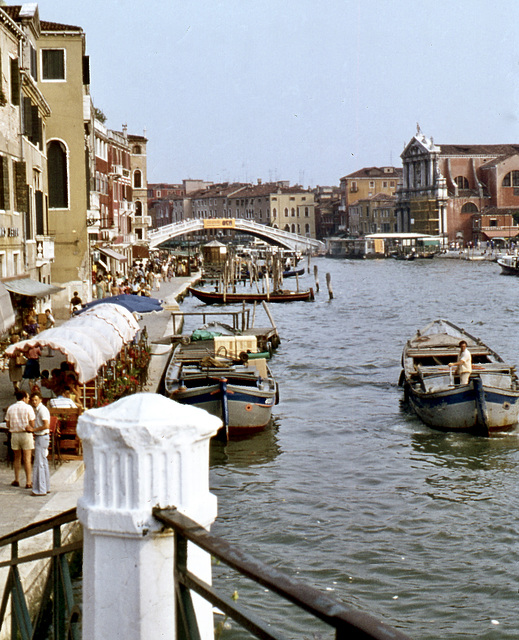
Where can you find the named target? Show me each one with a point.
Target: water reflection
(245, 451)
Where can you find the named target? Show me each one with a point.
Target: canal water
(348, 491)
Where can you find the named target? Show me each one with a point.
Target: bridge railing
(345, 621)
(147, 569)
(57, 606)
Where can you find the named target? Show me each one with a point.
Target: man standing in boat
(463, 364)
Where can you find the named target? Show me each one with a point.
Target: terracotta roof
(13, 11)
(376, 172)
(479, 149)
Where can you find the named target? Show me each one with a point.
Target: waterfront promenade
(17, 506)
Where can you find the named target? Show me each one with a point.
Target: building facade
(462, 193)
(366, 183)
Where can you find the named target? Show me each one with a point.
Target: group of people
(28, 423)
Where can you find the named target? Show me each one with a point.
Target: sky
(299, 90)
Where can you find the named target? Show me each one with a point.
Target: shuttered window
(40, 220)
(57, 175)
(4, 183)
(15, 82)
(53, 64)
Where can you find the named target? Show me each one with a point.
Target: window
(371, 184)
(137, 150)
(137, 179)
(34, 63)
(286, 212)
(293, 212)
(461, 182)
(4, 183)
(469, 207)
(58, 175)
(15, 82)
(306, 212)
(492, 222)
(511, 179)
(307, 229)
(138, 208)
(53, 64)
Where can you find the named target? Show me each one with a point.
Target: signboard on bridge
(219, 223)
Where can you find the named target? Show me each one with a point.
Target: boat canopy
(88, 341)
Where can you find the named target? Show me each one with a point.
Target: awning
(87, 341)
(110, 253)
(500, 234)
(30, 287)
(7, 317)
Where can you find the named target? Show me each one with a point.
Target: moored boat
(488, 403)
(509, 265)
(215, 297)
(226, 376)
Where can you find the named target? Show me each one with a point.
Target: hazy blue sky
(301, 90)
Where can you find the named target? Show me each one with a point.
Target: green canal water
(351, 493)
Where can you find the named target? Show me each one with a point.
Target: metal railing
(66, 614)
(347, 622)
(57, 595)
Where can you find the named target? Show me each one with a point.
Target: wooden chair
(65, 441)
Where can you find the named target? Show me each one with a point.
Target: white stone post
(140, 452)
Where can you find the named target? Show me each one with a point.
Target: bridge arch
(273, 235)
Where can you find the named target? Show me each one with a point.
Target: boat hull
(249, 409)
(213, 297)
(456, 409)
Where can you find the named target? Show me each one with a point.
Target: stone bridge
(272, 235)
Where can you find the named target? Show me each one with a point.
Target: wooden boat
(509, 265)
(217, 375)
(488, 403)
(291, 273)
(214, 297)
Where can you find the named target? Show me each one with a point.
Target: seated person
(63, 400)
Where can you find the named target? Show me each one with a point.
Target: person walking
(40, 470)
(49, 319)
(20, 419)
(16, 365)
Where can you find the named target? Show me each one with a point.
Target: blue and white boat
(227, 377)
(488, 403)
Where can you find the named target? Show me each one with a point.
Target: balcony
(44, 250)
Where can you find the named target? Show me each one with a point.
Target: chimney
(259, 180)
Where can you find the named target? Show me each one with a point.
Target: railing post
(140, 452)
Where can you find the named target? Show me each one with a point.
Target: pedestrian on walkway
(49, 319)
(32, 368)
(40, 471)
(20, 419)
(16, 365)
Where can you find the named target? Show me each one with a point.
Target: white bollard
(140, 452)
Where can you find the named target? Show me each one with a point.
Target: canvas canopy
(7, 318)
(87, 341)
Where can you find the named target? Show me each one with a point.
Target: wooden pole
(267, 311)
(316, 276)
(329, 285)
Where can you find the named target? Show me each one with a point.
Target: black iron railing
(56, 609)
(347, 623)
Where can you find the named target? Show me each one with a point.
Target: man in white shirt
(40, 471)
(463, 364)
(20, 419)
